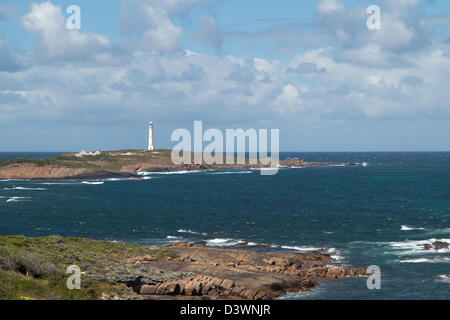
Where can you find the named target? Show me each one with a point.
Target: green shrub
(28, 264)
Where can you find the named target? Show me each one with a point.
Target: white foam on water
(128, 179)
(25, 188)
(416, 246)
(444, 278)
(425, 260)
(296, 248)
(18, 199)
(231, 172)
(143, 173)
(337, 257)
(406, 228)
(93, 182)
(190, 231)
(224, 242)
(173, 237)
(58, 183)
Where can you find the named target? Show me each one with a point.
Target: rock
(440, 245)
(437, 245)
(230, 273)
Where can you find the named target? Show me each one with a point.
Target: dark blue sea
(373, 215)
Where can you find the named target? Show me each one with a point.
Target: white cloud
(49, 23)
(363, 75)
(289, 100)
(329, 6)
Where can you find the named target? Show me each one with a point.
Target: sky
(311, 69)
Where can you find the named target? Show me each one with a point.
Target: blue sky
(309, 68)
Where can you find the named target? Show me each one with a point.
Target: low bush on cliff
(34, 268)
(27, 264)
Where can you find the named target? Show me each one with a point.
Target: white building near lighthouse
(151, 146)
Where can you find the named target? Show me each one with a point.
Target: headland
(35, 268)
(122, 163)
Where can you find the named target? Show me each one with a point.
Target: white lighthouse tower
(151, 147)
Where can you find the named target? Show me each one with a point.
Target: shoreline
(125, 164)
(182, 270)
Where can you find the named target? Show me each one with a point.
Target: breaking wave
(409, 247)
(406, 228)
(24, 188)
(18, 199)
(231, 172)
(190, 231)
(167, 172)
(426, 260)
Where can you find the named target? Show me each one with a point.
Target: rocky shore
(123, 163)
(237, 273)
(35, 268)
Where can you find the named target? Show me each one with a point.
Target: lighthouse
(150, 137)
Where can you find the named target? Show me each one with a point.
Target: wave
(143, 173)
(93, 182)
(444, 278)
(224, 242)
(425, 260)
(57, 183)
(18, 199)
(128, 179)
(296, 248)
(24, 188)
(190, 231)
(406, 228)
(416, 246)
(231, 172)
(173, 237)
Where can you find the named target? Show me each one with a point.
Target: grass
(106, 160)
(34, 268)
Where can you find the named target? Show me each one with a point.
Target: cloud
(351, 73)
(194, 73)
(329, 6)
(155, 17)
(56, 40)
(289, 100)
(307, 68)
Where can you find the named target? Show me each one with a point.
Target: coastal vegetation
(34, 268)
(127, 163)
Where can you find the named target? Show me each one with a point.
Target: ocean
(373, 215)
